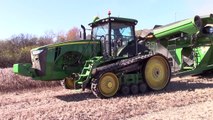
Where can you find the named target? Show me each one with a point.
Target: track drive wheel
(157, 72)
(105, 86)
(68, 83)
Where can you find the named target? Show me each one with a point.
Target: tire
(67, 83)
(157, 72)
(106, 85)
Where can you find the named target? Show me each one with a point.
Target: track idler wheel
(68, 83)
(106, 85)
(157, 72)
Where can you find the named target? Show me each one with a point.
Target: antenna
(109, 13)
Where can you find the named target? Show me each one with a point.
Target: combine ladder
(86, 72)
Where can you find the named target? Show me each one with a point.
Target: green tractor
(116, 60)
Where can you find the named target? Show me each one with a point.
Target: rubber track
(112, 68)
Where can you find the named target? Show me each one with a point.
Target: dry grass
(10, 82)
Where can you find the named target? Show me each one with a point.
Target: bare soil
(184, 98)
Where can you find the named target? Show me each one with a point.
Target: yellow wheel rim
(157, 73)
(108, 84)
(69, 82)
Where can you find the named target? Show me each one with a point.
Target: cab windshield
(100, 32)
(120, 35)
(118, 30)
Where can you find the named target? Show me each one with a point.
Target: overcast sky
(39, 16)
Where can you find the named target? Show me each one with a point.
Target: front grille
(39, 62)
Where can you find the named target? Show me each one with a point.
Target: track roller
(125, 90)
(142, 88)
(134, 89)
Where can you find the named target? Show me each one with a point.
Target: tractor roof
(114, 19)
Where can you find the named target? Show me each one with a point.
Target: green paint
(188, 26)
(87, 69)
(22, 69)
(129, 79)
(179, 55)
(59, 64)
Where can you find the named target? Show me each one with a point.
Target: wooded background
(16, 49)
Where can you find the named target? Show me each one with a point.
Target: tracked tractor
(115, 60)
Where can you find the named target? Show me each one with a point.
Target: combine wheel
(106, 86)
(157, 72)
(142, 87)
(125, 90)
(68, 83)
(134, 89)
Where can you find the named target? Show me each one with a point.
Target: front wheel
(68, 83)
(157, 72)
(106, 85)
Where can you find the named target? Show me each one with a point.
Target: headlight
(208, 30)
(211, 30)
(36, 52)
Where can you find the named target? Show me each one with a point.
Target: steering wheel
(119, 42)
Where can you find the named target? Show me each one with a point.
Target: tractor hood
(56, 61)
(76, 42)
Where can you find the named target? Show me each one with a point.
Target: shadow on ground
(76, 97)
(183, 86)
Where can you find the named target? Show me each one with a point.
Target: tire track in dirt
(58, 103)
(202, 110)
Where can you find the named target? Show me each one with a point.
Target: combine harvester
(114, 59)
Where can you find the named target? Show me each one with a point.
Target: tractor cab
(115, 34)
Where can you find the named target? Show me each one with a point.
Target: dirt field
(185, 98)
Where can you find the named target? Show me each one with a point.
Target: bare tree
(73, 34)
